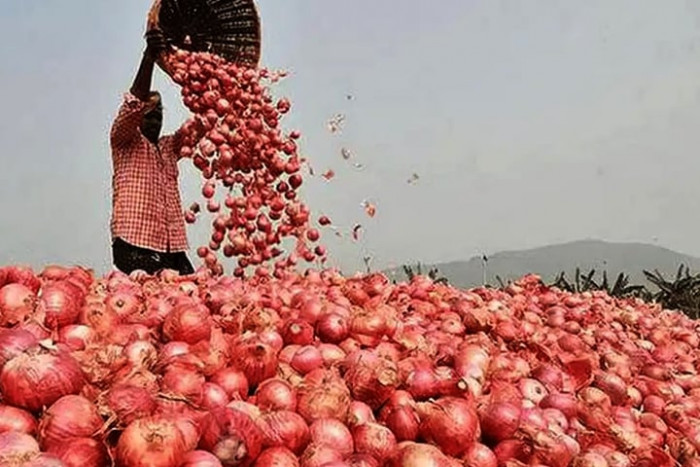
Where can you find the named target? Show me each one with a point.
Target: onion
(332, 433)
(14, 419)
(188, 323)
(590, 459)
(288, 429)
(450, 423)
(69, 417)
(17, 302)
(200, 459)
(298, 332)
(565, 403)
(613, 386)
(129, 403)
(257, 361)
(402, 420)
(479, 455)
(375, 440)
(81, 452)
(332, 328)
(76, 336)
(318, 456)
(232, 381)
(371, 379)
(323, 394)
(512, 449)
(60, 303)
(13, 342)
(276, 394)
(277, 457)
(16, 445)
(532, 390)
(39, 377)
(45, 460)
(409, 454)
(183, 383)
(306, 359)
(232, 436)
(359, 413)
(20, 275)
(500, 421)
(332, 354)
(214, 396)
(155, 441)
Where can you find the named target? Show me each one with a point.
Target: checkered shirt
(146, 207)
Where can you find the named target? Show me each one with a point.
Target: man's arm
(127, 125)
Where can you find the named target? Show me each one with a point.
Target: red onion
(288, 429)
(500, 421)
(200, 459)
(188, 323)
(613, 386)
(512, 449)
(76, 336)
(13, 342)
(402, 420)
(332, 328)
(129, 403)
(323, 394)
(257, 361)
(333, 433)
(371, 379)
(60, 304)
(233, 381)
(307, 359)
(566, 403)
(69, 417)
(450, 423)
(184, 383)
(276, 394)
(17, 302)
(214, 396)
(278, 456)
(20, 275)
(155, 441)
(232, 436)
(81, 452)
(359, 413)
(14, 419)
(410, 454)
(45, 460)
(318, 456)
(532, 390)
(332, 354)
(375, 440)
(479, 455)
(298, 332)
(39, 377)
(15, 445)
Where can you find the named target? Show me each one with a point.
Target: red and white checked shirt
(146, 206)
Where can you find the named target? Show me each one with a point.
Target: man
(147, 225)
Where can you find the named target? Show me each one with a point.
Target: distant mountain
(549, 261)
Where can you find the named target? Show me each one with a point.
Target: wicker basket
(229, 28)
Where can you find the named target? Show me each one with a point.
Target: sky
(528, 123)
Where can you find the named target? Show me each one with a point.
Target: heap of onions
(290, 368)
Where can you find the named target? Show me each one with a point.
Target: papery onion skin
(38, 378)
(81, 452)
(276, 394)
(17, 445)
(410, 454)
(232, 435)
(375, 440)
(286, 428)
(69, 417)
(154, 441)
(479, 455)
(13, 342)
(332, 432)
(450, 423)
(17, 302)
(200, 459)
(14, 419)
(129, 403)
(188, 323)
(277, 457)
(323, 394)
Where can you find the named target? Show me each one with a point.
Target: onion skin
(188, 323)
(155, 441)
(81, 452)
(323, 394)
(17, 302)
(500, 421)
(450, 423)
(333, 433)
(232, 436)
(13, 342)
(14, 419)
(277, 457)
(410, 454)
(129, 403)
(375, 440)
(288, 429)
(276, 394)
(371, 379)
(39, 377)
(17, 445)
(69, 417)
(200, 459)
(479, 455)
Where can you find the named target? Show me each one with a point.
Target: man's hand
(155, 43)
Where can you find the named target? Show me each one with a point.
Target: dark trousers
(128, 258)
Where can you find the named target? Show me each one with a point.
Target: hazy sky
(529, 122)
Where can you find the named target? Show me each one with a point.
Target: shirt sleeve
(126, 126)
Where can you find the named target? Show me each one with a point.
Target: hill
(549, 261)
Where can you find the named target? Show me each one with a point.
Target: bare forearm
(144, 77)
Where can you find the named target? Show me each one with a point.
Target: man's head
(153, 119)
